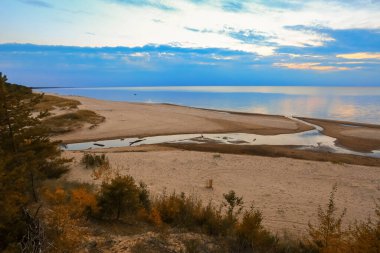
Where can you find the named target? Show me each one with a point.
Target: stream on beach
(309, 140)
(355, 104)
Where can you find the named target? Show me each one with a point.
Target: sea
(356, 104)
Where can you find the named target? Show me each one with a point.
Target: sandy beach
(124, 119)
(288, 191)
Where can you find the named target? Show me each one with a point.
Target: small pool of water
(311, 140)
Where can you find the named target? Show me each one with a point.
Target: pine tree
(27, 154)
(119, 196)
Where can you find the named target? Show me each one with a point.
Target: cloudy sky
(190, 42)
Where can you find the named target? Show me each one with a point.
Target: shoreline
(139, 120)
(360, 137)
(338, 121)
(167, 119)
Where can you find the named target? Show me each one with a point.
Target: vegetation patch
(70, 121)
(50, 102)
(94, 160)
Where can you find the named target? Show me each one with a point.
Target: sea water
(358, 104)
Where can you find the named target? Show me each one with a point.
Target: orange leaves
(54, 196)
(83, 201)
(64, 214)
(155, 217)
(79, 200)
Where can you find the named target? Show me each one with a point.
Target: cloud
(351, 62)
(38, 3)
(165, 54)
(310, 66)
(146, 3)
(140, 55)
(165, 65)
(222, 58)
(360, 56)
(263, 27)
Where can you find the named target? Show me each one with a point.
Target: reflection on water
(360, 104)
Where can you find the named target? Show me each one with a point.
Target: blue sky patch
(190, 42)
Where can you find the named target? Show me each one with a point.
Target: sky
(190, 42)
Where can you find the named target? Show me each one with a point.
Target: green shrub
(250, 233)
(120, 196)
(178, 209)
(211, 220)
(234, 206)
(327, 235)
(94, 160)
(117, 197)
(144, 197)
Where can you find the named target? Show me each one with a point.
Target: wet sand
(278, 151)
(355, 136)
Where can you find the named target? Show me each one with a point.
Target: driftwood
(134, 142)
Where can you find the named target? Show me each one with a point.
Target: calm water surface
(310, 140)
(359, 104)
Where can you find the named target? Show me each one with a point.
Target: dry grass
(71, 121)
(50, 102)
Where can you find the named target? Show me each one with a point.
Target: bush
(328, 235)
(211, 220)
(365, 236)
(119, 196)
(67, 206)
(180, 210)
(94, 160)
(250, 233)
(144, 197)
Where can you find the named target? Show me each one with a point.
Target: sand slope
(288, 191)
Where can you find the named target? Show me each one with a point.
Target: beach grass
(50, 102)
(70, 121)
